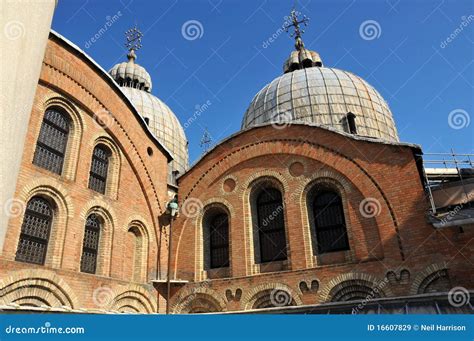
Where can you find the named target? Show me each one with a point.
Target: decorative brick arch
(427, 276)
(133, 299)
(37, 287)
(343, 186)
(140, 231)
(346, 280)
(184, 302)
(54, 99)
(109, 219)
(211, 203)
(54, 191)
(250, 296)
(115, 164)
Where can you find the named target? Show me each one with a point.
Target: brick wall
(395, 238)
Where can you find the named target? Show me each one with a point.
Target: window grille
(90, 245)
(331, 232)
(35, 232)
(52, 141)
(99, 169)
(271, 225)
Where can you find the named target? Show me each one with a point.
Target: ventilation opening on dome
(349, 123)
(293, 67)
(147, 120)
(307, 63)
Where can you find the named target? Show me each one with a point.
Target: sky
(213, 56)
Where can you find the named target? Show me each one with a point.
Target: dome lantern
(136, 83)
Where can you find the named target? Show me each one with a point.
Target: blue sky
(427, 80)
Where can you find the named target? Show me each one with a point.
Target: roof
(416, 148)
(117, 88)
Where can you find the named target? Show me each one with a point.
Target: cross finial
(206, 141)
(295, 23)
(133, 41)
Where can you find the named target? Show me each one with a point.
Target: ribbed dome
(131, 74)
(323, 96)
(163, 124)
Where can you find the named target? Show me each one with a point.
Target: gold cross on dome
(295, 22)
(134, 39)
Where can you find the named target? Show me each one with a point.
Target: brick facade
(131, 239)
(393, 250)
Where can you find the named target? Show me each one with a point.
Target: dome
(135, 82)
(131, 74)
(163, 124)
(310, 93)
(322, 96)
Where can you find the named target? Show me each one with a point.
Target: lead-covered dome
(322, 96)
(163, 123)
(310, 93)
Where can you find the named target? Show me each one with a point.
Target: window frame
(41, 145)
(93, 251)
(318, 230)
(264, 232)
(99, 177)
(24, 236)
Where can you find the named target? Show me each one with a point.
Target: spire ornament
(206, 141)
(133, 42)
(297, 30)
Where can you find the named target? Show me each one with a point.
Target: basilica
(314, 206)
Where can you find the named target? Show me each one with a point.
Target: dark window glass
(99, 169)
(35, 232)
(90, 245)
(219, 241)
(271, 225)
(331, 233)
(52, 141)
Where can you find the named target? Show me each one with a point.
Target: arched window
(216, 239)
(90, 245)
(329, 222)
(271, 225)
(99, 168)
(52, 141)
(35, 231)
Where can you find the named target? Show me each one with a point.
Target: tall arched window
(52, 140)
(90, 245)
(99, 168)
(271, 225)
(216, 239)
(329, 222)
(35, 231)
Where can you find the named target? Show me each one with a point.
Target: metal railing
(442, 168)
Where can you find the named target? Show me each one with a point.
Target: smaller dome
(131, 74)
(163, 124)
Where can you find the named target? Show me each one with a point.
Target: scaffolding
(448, 170)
